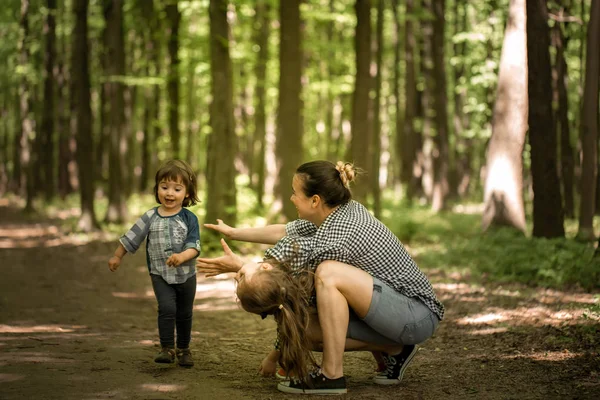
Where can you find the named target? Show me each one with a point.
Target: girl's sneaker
(166, 356)
(317, 383)
(184, 358)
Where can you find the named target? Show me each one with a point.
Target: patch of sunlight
(214, 306)
(525, 315)
(146, 342)
(39, 328)
(459, 288)
(20, 232)
(131, 295)
(476, 299)
(218, 289)
(163, 388)
(507, 293)
(488, 331)
(554, 356)
(550, 296)
(34, 358)
(482, 319)
(11, 377)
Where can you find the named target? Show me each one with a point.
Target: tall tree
(359, 146)
(288, 146)
(174, 18)
(27, 133)
(503, 194)
(47, 127)
(222, 145)
(260, 116)
(441, 154)
(548, 219)
(376, 137)
(115, 69)
(81, 121)
(409, 141)
(589, 125)
(150, 92)
(563, 125)
(66, 141)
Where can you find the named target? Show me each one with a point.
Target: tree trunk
(566, 149)
(65, 151)
(589, 126)
(27, 133)
(222, 147)
(48, 111)
(461, 170)
(503, 193)
(115, 64)
(81, 121)
(547, 205)
(260, 119)
(441, 152)
(376, 137)
(288, 145)
(174, 18)
(359, 146)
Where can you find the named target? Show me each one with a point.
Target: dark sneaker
(184, 358)
(396, 365)
(166, 356)
(316, 383)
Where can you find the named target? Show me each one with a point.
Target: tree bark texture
(503, 193)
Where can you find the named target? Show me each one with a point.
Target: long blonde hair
(286, 296)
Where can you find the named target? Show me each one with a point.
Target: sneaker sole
(386, 381)
(286, 389)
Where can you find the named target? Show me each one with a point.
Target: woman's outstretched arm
(269, 234)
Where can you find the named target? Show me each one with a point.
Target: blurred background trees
(439, 102)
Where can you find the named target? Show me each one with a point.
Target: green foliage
(453, 242)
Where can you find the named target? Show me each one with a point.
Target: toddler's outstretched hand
(113, 263)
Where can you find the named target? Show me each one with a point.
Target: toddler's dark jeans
(175, 305)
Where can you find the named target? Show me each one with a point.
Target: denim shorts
(393, 319)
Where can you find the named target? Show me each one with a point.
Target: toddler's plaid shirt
(165, 236)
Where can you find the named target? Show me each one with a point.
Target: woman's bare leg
(338, 286)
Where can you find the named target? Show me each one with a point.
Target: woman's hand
(222, 228)
(229, 262)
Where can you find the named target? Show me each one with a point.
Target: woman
(371, 294)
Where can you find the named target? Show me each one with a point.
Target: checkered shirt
(165, 236)
(353, 236)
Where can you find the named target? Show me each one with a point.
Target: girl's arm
(269, 234)
(179, 258)
(115, 261)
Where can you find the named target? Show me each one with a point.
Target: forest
(475, 124)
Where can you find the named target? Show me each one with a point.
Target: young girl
(173, 243)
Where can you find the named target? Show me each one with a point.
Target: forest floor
(71, 329)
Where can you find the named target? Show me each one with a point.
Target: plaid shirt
(165, 236)
(353, 236)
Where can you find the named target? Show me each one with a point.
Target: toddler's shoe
(184, 358)
(166, 356)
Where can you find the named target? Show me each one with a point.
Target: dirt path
(70, 329)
